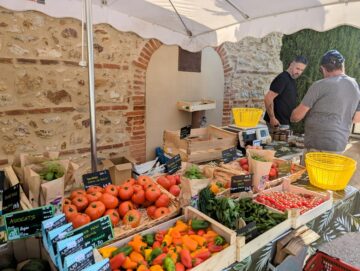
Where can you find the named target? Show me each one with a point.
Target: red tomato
(125, 192)
(114, 216)
(78, 192)
(151, 211)
(95, 188)
(152, 194)
(130, 181)
(164, 182)
(243, 161)
(132, 218)
(171, 179)
(175, 190)
(69, 210)
(95, 210)
(137, 187)
(79, 220)
(159, 212)
(124, 207)
(110, 201)
(81, 202)
(245, 167)
(112, 190)
(162, 201)
(94, 196)
(138, 197)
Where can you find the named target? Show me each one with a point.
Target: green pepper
(169, 264)
(149, 239)
(125, 249)
(156, 252)
(219, 240)
(199, 224)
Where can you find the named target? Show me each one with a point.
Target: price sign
(229, 155)
(99, 178)
(11, 199)
(104, 265)
(96, 233)
(79, 260)
(174, 164)
(27, 223)
(69, 246)
(250, 231)
(241, 183)
(185, 131)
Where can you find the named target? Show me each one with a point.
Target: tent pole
(90, 48)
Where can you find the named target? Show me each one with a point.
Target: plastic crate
(320, 261)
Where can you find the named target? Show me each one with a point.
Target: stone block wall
(44, 92)
(249, 67)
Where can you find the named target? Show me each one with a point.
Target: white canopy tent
(195, 24)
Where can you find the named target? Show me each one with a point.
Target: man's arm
(299, 113)
(356, 117)
(269, 105)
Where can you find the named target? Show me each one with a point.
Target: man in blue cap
(329, 107)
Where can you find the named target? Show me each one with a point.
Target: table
(284, 151)
(342, 218)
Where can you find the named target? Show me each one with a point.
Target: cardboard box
(120, 168)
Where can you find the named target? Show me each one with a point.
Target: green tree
(313, 45)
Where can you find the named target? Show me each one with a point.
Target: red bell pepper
(214, 248)
(117, 261)
(185, 258)
(179, 267)
(159, 259)
(196, 261)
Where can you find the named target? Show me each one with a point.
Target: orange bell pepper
(189, 243)
(142, 267)
(199, 239)
(137, 257)
(137, 244)
(180, 226)
(129, 264)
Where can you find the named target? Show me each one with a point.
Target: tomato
(245, 167)
(94, 196)
(130, 181)
(149, 185)
(274, 165)
(243, 161)
(114, 216)
(81, 202)
(137, 187)
(124, 207)
(175, 190)
(95, 188)
(146, 203)
(162, 201)
(272, 173)
(69, 210)
(125, 192)
(112, 190)
(77, 192)
(66, 201)
(171, 179)
(178, 179)
(79, 220)
(151, 211)
(164, 182)
(110, 201)
(95, 210)
(144, 180)
(132, 218)
(159, 212)
(152, 194)
(138, 197)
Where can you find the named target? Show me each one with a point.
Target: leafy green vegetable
(52, 170)
(259, 158)
(193, 172)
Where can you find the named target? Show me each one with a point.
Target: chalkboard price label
(95, 233)
(11, 199)
(99, 178)
(174, 164)
(185, 131)
(27, 223)
(250, 231)
(241, 183)
(229, 155)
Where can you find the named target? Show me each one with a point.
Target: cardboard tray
(217, 261)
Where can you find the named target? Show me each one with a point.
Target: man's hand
(274, 122)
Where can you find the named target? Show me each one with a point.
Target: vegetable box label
(104, 265)
(96, 233)
(27, 223)
(79, 260)
(229, 155)
(250, 231)
(174, 164)
(11, 199)
(99, 178)
(50, 224)
(69, 246)
(241, 183)
(185, 131)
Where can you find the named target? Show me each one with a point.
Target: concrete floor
(353, 151)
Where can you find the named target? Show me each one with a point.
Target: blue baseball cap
(332, 57)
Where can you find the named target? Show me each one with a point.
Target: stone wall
(44, 92)
(249, 67)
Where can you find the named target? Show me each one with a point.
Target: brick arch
(228, 93)
(136, 118)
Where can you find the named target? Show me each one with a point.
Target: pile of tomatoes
(288, 200)
(171, 183)
(121, 203)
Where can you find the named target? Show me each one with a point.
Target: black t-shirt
(285, 102)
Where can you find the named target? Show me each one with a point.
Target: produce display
(51, 170)
(228, 211)
(288, 200)
(181, 247)
(125, 204)
(193, 172)
(171, 183)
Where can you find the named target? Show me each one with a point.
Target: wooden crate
(297, 218)
(244, 250)
(219, 260)
(203, 144)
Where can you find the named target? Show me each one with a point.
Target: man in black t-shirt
(281, 98)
